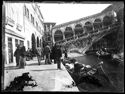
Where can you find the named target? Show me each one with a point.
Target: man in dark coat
(65, 52)
(53, 52)
(22, 56)
(17, 55)
(57, 56)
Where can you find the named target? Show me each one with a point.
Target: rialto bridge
(87, 30)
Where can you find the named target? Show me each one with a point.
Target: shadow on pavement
(44, 70)
(11, 68)
(32, 64)
(36, 64)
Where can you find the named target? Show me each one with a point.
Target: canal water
(114, 72)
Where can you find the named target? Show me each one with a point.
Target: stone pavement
(47, 77)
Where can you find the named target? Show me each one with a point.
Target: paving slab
(48, 77)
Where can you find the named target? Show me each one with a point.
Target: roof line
(70, 22)
(83, 18)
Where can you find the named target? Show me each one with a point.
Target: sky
(61, 13)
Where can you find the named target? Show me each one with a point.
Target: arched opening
(33, 42)
(97, 24)
(78, 29)
(68, 32)
(107, 20)
(40, 43)
(58, 36)
(37, 42)
(43, 42)
(88, 27)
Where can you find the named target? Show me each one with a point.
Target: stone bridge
(83, 43)
(82, 33)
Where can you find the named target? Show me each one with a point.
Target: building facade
(33, 23)
(48, 31)
(22, 21)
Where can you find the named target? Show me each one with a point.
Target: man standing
(65, 52)
(38, 53)
(58, 55)
(53, 52)
(47, 52)
(17, 55)
(22, 56)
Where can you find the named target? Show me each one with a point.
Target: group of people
(54, 53)
(48, 53)
(20, 56)
(29, 55)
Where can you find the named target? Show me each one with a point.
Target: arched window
(36, 25)
(25, 10)
(37, 42)
(78, 29)
(58, 35)
(33, 42)
(68, 32)
(40, 43)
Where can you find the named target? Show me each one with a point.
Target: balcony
(10, 21)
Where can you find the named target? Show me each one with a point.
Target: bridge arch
(58, 36)
(78, 29)
(107, 20)
(97, 24)
(68, 32)
(88, 27)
